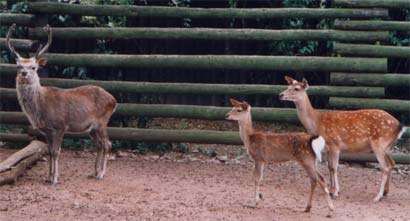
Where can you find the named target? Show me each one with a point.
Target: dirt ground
(192, 187)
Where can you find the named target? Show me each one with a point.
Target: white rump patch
(318, 145)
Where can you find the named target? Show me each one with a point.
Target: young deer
(266, 148)
(350, 131)
(54, 111)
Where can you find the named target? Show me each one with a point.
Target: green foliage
(182, 148)
(20, 7)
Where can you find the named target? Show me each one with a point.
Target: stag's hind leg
(100, 137)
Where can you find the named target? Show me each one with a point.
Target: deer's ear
(305, 84)
(42, 61)
(234, 102)
(290, 80)
(245, 106)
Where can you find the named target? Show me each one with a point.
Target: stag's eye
(296, 89)
(33, 68)
(19, 67)
(239, 110)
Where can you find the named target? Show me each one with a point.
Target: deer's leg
(315, 177)
(55, 139)
(103, 148)
(385, 168)
(99, 146)
(390, 160)
(107, 149)
(333, 163)
(257, 179)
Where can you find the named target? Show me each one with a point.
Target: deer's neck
(28, 95)
(308, 116)
(246, 129)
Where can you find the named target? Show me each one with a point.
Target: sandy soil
(191, 187)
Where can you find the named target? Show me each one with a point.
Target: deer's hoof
(307, 209)
(252, 204)
(377, 199)
(50, 181)
(333, 195)
(99, 177)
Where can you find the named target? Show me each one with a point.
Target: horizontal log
(371, 50)
(223, 62)
(372, 25)
(196, 88)
(211, 34)
(7, 69)
(179, 111)
(149, 135)
(192, 136)
(357, 103)
(8, 93)
(19, 19)
(367, 157)
(370, 79)
(19, 44)
(181, 12)
(372, 3)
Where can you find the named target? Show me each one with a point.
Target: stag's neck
(28, 95)
(246, 129)
(308, 116)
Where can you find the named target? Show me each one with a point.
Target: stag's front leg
(54, 140)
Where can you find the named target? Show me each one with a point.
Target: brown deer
(264, 148)
(350, 131)
(54, 111)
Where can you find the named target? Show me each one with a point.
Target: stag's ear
(234, 102)
(245, 106)
(305, 84)
(290, 80)
(42, 61)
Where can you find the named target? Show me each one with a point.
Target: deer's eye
(239, 110)
(33, 68)
(296, 89)
(19, 67)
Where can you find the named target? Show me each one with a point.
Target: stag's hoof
(307, 209)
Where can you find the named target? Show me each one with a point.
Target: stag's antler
(41, 50)
(11, 29)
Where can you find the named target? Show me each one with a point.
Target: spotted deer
(348, 131)
(264, 148)
(54, 111)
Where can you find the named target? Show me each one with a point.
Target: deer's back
(356, 130)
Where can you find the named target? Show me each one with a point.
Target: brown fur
(54, 111)
(264, 148)
(368, 130)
